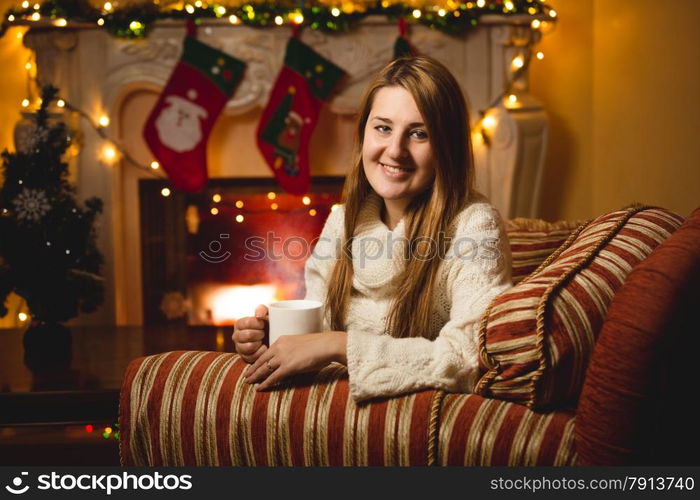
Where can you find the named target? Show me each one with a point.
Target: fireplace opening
(209, 258)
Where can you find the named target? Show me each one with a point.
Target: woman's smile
(397, 172)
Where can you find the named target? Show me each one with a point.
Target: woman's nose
(397, 147)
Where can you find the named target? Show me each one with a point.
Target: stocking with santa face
(178, 128)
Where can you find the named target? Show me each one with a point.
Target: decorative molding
(506, 130)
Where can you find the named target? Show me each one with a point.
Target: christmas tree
(48, 254)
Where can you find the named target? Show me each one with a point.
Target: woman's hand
(248, 335)
(293, 354)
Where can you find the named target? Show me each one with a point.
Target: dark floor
(57, 445)
(76, 377)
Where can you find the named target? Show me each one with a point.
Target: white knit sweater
(476, 269)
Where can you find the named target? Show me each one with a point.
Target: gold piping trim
(555, 285)
(434, 427)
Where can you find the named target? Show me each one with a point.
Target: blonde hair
(441, 104)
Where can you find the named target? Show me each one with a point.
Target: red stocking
(178, 128)
(305, 81)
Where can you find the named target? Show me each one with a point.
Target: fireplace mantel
(99, 74)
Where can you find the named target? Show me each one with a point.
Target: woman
(407, 266)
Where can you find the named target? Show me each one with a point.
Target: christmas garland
(135, 21)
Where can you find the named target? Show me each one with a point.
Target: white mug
(293, 317)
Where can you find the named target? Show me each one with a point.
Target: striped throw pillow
(533, 240)
(536, 338)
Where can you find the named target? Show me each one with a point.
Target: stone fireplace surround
(121, 78)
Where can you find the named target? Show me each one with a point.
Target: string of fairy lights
(111, 150)
(308, 206)
(136, 20)
(63, 14)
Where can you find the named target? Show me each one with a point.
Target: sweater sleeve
(381, 366)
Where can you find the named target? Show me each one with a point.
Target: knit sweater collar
(378, 253)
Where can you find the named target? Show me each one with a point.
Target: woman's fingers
(248, 348)
(276, 376)
(261, 311)
(251, 358)
(250, 323)
(261, 368)
(267, 370)
(243, 336)
(251, 373)
(249, 333)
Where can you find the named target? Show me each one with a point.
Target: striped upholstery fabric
(533, 240)
(478, 431)
(536, 338)
(193, 408)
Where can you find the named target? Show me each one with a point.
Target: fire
(228, 303)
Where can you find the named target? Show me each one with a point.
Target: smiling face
(397, 156)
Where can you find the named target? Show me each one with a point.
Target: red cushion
(638, 404)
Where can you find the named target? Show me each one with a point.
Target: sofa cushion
(194, 408)
(636, 404)
(533, 240)
(479, 431)
(536, 338)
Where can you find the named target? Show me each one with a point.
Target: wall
(646, 107)
(620, 82)
(13, 56)
(562, 82)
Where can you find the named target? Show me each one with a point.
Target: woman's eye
(381, 128)
(420, 134)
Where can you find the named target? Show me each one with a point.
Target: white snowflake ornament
(31, 205)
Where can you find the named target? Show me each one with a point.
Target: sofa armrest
(637, 403)
(479, 431)
(194, 408)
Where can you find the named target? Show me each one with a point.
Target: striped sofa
(625, 401)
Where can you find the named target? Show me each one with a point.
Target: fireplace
(211, 257)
